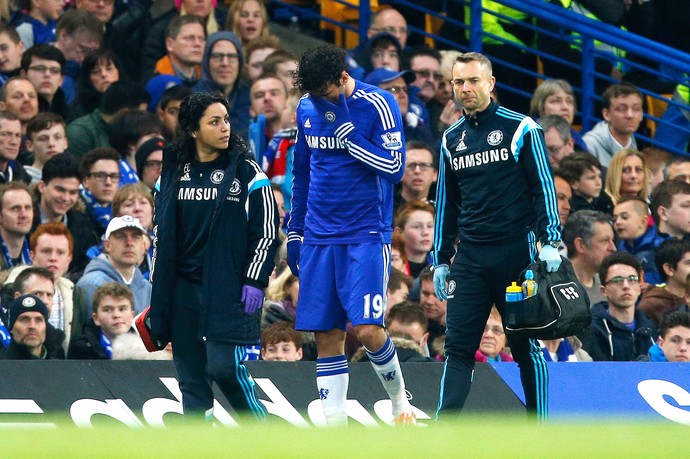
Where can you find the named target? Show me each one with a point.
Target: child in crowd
(45, 138)
(583, 172)
(281, 342)
(110, 334)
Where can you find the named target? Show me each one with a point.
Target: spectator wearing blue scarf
(101, 168)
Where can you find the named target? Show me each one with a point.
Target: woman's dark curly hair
(191, 111)
(320, 67)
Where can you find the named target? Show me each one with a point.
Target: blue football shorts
(341, 283)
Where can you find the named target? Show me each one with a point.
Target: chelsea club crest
(217, 176)
(494, 137)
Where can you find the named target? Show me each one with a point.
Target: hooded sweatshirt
(100, 271)
(239, 95)
(608, 339)
(601, 143)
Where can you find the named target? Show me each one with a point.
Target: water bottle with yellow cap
(514, 292)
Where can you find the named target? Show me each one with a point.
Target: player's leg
(526, 352)
(190, 353)
(363, 292)
(320, 311)
(469, 304)
(332, 375)
(225, 367)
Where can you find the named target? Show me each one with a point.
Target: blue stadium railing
(674, 66)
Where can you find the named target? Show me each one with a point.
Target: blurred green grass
(471, 437)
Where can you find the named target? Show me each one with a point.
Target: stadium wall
(140, 394)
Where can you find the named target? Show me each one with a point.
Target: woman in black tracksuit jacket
(215, 236)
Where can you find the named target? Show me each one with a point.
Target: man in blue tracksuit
(495, 190)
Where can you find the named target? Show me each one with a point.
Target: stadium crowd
(90, 94)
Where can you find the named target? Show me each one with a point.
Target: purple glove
(252, 298)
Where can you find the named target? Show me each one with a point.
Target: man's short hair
(466, 58)
(672, 320)
(19, 284)
(11, 186)
(559, 123)
(675, 160)
(47, 52)
(281, 332)
(123, 95)
(416, 51)
(6, 114)
(576, 165)
(75, 21)
(112, 289)
(619, 258)
(43, 121)
(3, 94)
(670, 251)
(581, 224)
(619, 90)
(177, 92)
(277, 57)
(320, 67)
(53, 229)
(397, 279)
(138, 189)
(270, 76)
(11, 32)
(427, 274)
(407, 312)
(175, 25)
(558, 172)
(61, 167)
(128, 126)
(97, 154)
(419, 145)
(662, 196)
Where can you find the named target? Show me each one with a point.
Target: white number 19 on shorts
(373, 307)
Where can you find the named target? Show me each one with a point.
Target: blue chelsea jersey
(343, 187)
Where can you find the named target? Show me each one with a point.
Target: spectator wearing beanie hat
(149, 161)
(28, 316)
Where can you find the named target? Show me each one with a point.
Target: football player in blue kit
(348, 155)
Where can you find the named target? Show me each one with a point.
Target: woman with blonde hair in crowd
(281, 299)
(627, 175)
(248, 19)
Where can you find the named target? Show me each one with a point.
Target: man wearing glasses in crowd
(101, 169)
(425, 62)
(44, 66)
(619, 331)
(391, 21)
